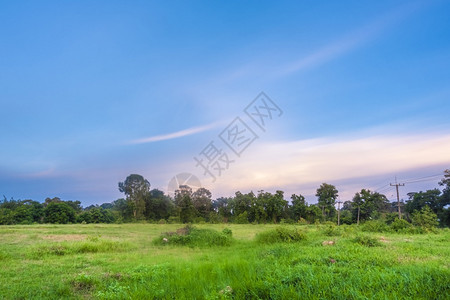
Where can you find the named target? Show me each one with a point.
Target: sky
(241, 95)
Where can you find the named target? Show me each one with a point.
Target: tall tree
(136, 188)
(298, 207)
(327, 195)
(369, 205)
(201, 199)
(183, 201)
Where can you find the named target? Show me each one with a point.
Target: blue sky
(92, 92)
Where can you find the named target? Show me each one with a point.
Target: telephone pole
(398, 197)
(339, 212)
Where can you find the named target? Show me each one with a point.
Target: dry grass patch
(64, 237)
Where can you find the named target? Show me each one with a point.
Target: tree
(136, 188)
(430, 198)
(273, 205)
(157, 205)
(327, 195)
(201, 199)
(59, 212)
(425, 218)
(298, 207)
(223, 207)
(369, 205)
(183, 201)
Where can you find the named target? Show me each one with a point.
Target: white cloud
(351, 160)
(174, 135)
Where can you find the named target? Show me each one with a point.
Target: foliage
(400, 225)
(375, 226)
(326, 196)
(195, 237)
(60, 213)
(425, 218)
(136, 189)
(280, 235)
(75, 262)
(367, 241)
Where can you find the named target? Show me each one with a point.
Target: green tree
(183, 201)
(136, 188)
(425, 218)
(201, 199)
(369, 205)
(298, 207)
(59, 212)
(327, 195)
(158, 205)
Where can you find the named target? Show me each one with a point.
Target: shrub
(425, 218)
(227, 231)
(331, 230)
(280, 235)
(367, 241)
(400, 225)
(194, 237)
(374, 226)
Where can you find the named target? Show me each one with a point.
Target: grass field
(123, 262)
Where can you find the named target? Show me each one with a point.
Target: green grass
(256, 262)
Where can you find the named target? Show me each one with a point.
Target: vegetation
(122, 261)
(426, 210)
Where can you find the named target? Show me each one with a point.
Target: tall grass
(261, 262)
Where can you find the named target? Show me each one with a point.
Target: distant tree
(274, 205)
(298, 207)
(48, 200)
(136, 188)
(158, 205)
(201, 199)
(96, 214)
(430, 198)
(183, 201)
(223, 206)
(242, 203)
(313, 213)
(122, 209)
(369, 205)
(327, 195)
(425, 218)
(59, 212)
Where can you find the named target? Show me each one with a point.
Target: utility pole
(339, 212)
(398, 197)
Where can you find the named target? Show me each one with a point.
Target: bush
(400, 225)
(280, 235)
(425, 218)
(374, 226)
(242, 218)
(227, 231)
(367, 241)
(194, 237)
(331, 230)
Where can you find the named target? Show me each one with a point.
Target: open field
(122, 262)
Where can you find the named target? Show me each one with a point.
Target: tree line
(141, 203)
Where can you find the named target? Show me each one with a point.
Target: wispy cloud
(175, 135)
(350, 41)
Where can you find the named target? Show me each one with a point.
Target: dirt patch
(384, 240)
(64, 237)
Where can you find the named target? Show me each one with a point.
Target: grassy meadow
(133, 261)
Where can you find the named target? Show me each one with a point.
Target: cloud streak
(349, 42)
(175, 135)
